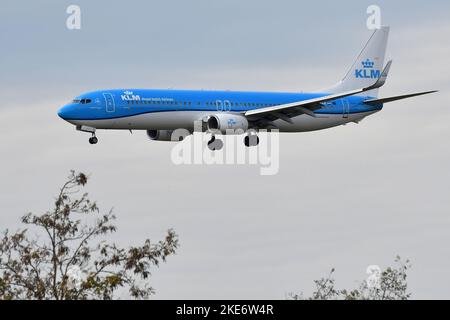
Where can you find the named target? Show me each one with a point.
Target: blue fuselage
(112, 107)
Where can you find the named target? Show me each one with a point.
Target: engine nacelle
(160, 135)
(227, 121)
(168, 135)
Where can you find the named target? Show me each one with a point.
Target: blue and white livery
(160, 112)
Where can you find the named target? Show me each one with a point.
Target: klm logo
(129, 96)
(367, 72)
(231, 123)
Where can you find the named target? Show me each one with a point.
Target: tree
(73, 260)
(389, 284)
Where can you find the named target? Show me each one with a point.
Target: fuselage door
(219, 105)
(345, 108)
(226, 105)
(109, 102)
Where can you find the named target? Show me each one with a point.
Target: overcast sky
(347, 197)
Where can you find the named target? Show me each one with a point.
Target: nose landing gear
(93, 139)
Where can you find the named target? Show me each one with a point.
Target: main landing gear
(251, 140)
(215, 144)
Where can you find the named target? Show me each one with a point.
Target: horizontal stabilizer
(390, 99)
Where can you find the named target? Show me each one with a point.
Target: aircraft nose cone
(62, 112)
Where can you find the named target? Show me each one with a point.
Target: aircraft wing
(289, 110)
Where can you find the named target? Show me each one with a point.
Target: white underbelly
(172, 120)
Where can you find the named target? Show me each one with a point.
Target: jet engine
(168, 135)
(160, 135)
(227, 121)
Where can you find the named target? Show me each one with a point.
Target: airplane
(160, 112)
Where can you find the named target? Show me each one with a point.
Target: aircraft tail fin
(368, 65)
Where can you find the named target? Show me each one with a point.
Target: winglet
(382, 79)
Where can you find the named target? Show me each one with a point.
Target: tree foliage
(70, 258)
(389, 284)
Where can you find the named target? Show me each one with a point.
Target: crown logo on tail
(368, 64)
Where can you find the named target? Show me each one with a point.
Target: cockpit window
(85, 101)
(76, 101)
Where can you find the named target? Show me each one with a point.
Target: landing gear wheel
(93, 140)
(251, 140)
(215, 144)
